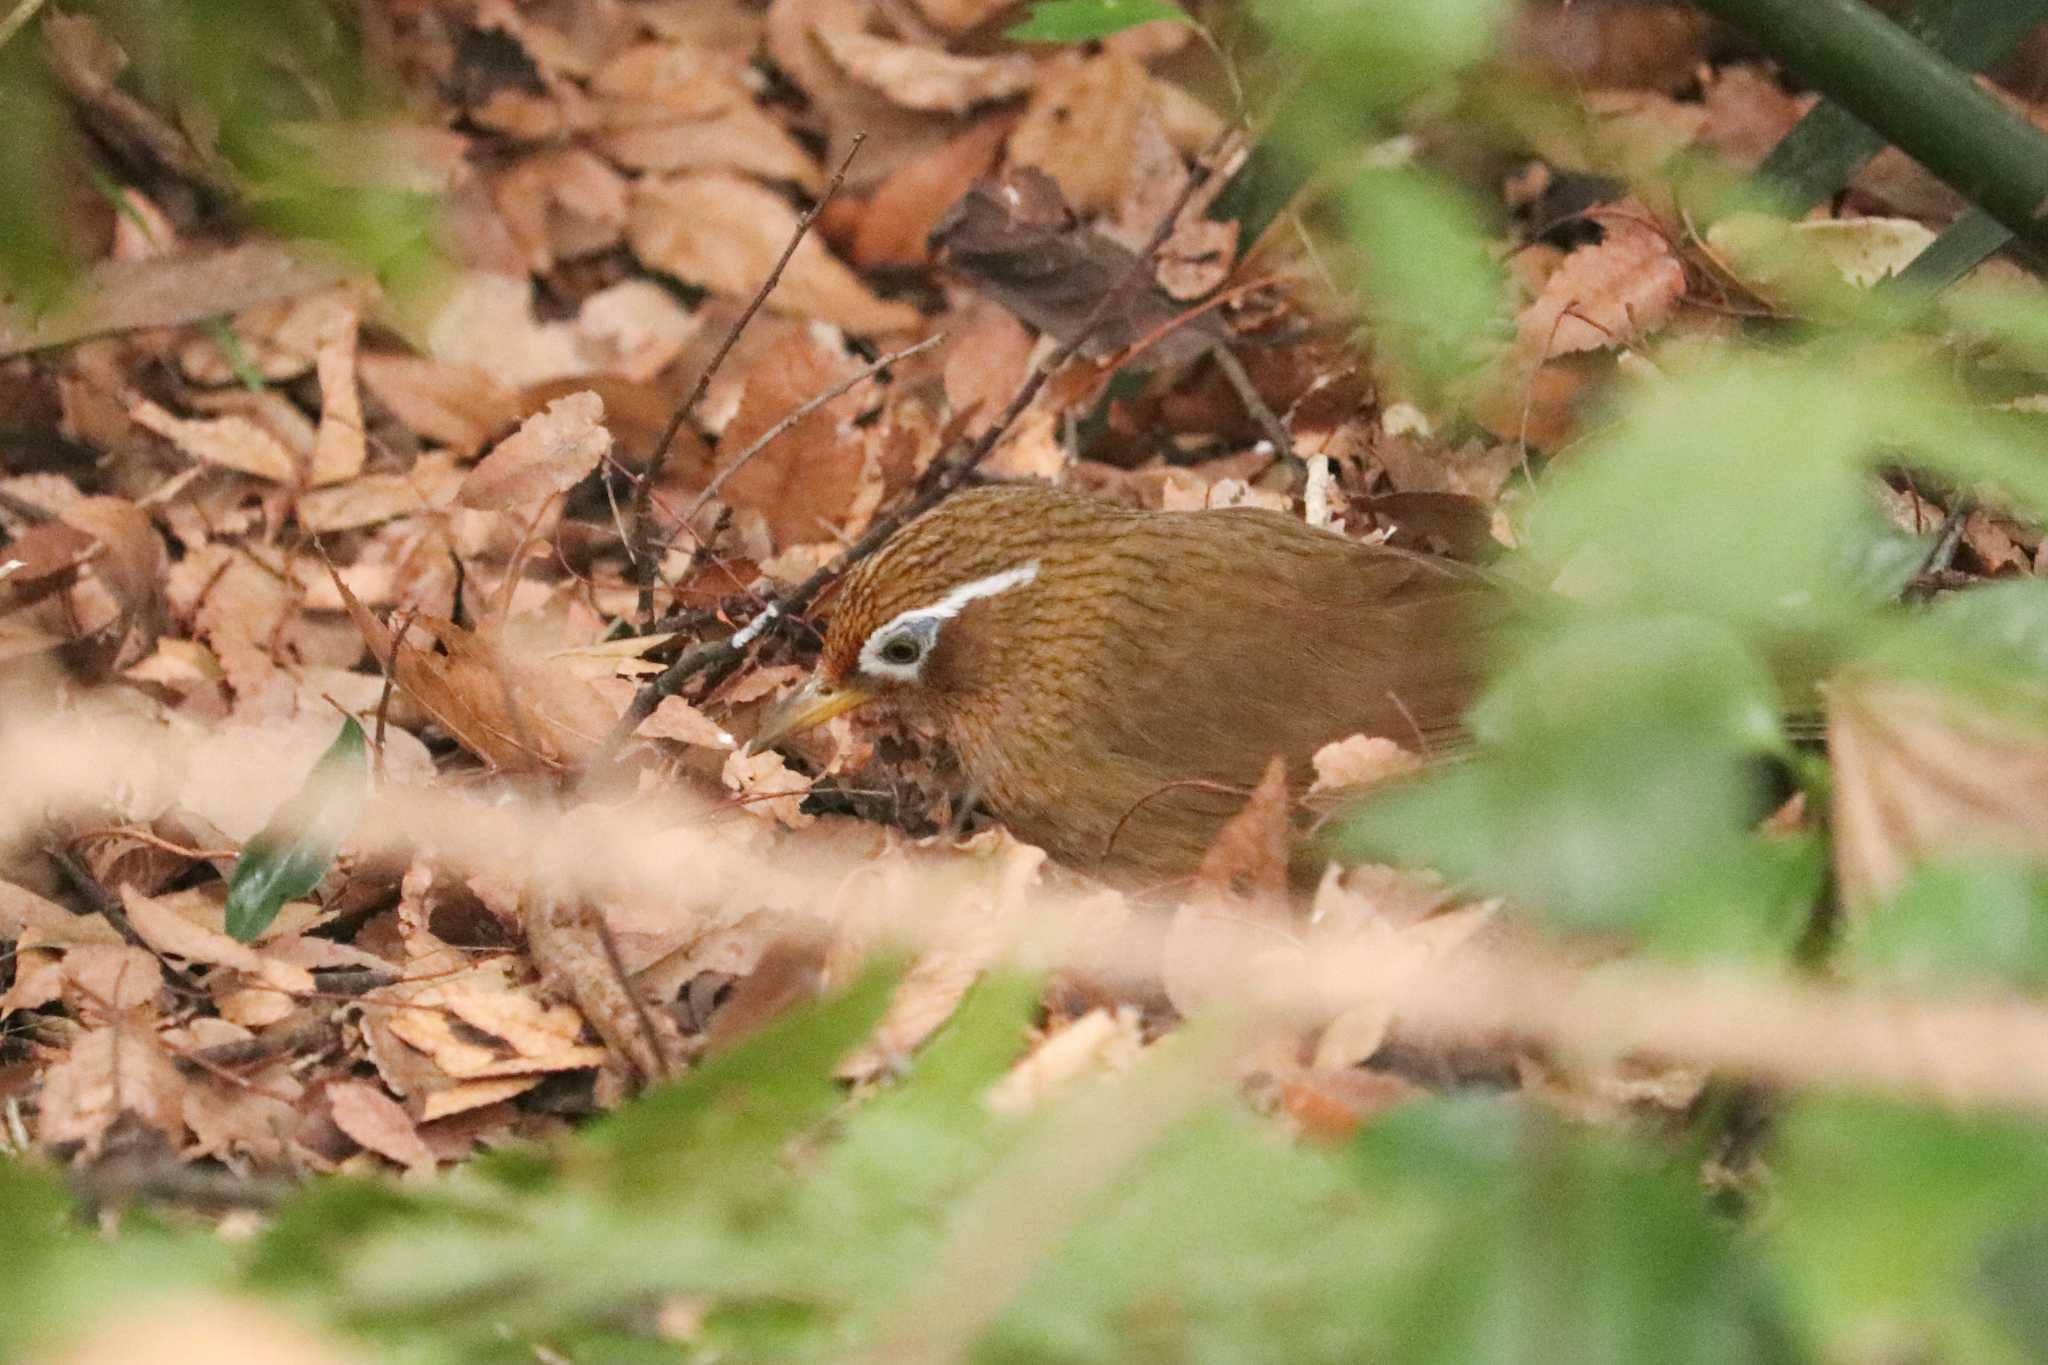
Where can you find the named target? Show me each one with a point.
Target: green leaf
(1887, 1220)
(1423, 266)
(720, 1128)
(1080, 21)
(1376, 56)
(35, 262)
(1527, 1241)
(1616, 771)
(292, 853)
(1958, 925)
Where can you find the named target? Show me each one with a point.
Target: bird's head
(928, 619)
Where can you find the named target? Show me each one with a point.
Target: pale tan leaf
(169, 291)
(109, 1072)
(1921, 774)
(725, 234)
(170, 933)
(767, 787)
(459, 406)
(1360, 761)
(340, 449)
(1603, 295)
(230, 442)
(927, 77)
(550, 453)
(377, 1122)
(430, 485)
(676, 719)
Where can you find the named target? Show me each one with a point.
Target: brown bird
(1115, 681)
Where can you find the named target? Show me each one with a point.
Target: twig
(643, 491)
(716, 659)
(797, 414)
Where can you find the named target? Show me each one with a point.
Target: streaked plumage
(1114, 704)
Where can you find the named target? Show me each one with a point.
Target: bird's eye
(904, 649)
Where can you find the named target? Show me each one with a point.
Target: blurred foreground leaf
(1080, 21)
(1893, 1221)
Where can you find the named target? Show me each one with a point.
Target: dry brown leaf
(738, 138)
(171, 291)
(560, 205)
(804, 481)
(108, 979)
(1921, 774)
(460, 406)
(550, 453)
(724, 233)
(926, 77)
(957, 16)
(431, 485)
(110, 1071)
(767, 787)
(676, 719)
(1079, 125)
(512, 710)
(339, 449)
(373, 1120)
(281, 340)
(170, 933)
(1604, 295)
(908, 204)
(230, 442)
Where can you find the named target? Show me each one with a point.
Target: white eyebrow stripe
(954, 602)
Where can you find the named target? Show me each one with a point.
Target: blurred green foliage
(1460, 1230)
(239, 81)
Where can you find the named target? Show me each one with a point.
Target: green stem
(1902, 90)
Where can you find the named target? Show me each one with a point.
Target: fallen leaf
(767, 787)
(373, 1120)
(927, 77)
(230, 442)
(676, 719)
(109, 1072)
(804, 481)
(725, 233)
(1604, 295)
(550, 453)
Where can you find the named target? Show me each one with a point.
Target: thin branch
(642, 521)
(715, 660)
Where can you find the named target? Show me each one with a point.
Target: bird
(1115, 681)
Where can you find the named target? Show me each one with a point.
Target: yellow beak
(808, 707)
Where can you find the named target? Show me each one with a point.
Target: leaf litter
(421, 524)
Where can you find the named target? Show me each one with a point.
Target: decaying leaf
(1920, 774)
(549, 454)
(725, 234)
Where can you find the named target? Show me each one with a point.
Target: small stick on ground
(641, 521)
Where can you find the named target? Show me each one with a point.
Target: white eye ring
(898, 648)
